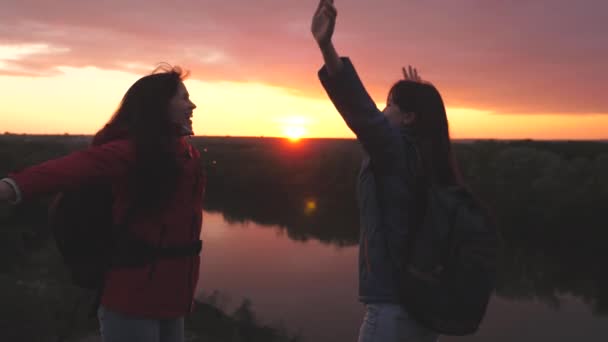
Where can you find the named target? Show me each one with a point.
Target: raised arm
(348, 94)
(322, 28)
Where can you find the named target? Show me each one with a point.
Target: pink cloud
(532, 56)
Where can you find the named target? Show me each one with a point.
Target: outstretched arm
(95, 164)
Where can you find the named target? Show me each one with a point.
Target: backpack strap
(121, 231)
(122, 235)
(181, 251)
(425, 191)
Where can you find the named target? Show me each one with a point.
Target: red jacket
(168, 291)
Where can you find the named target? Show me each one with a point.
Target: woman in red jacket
(156, 178)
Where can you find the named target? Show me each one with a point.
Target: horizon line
(309, 138)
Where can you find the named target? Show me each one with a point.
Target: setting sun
(294, 133)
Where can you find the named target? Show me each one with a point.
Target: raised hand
(411, 74)
(324, 22)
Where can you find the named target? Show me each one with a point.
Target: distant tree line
(549, 199)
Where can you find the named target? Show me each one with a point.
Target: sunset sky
(506, 69)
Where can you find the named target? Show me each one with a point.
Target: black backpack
(90, 242)
(452, 260)
(81, 223)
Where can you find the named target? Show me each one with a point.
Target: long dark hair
(143, 117)
(430, 130)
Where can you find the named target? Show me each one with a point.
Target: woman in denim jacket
(406, 142)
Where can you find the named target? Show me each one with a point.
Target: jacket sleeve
(95, 164)
(382, 142)
(351, 99)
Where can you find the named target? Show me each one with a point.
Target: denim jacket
(384, 188)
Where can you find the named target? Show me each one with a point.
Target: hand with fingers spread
(411, 74)
(324, 22)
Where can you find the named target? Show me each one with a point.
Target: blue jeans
(391, 323)
(117, 327)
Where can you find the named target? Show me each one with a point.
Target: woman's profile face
(395, 115)
(180, 109)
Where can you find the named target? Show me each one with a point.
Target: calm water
(311, 288)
